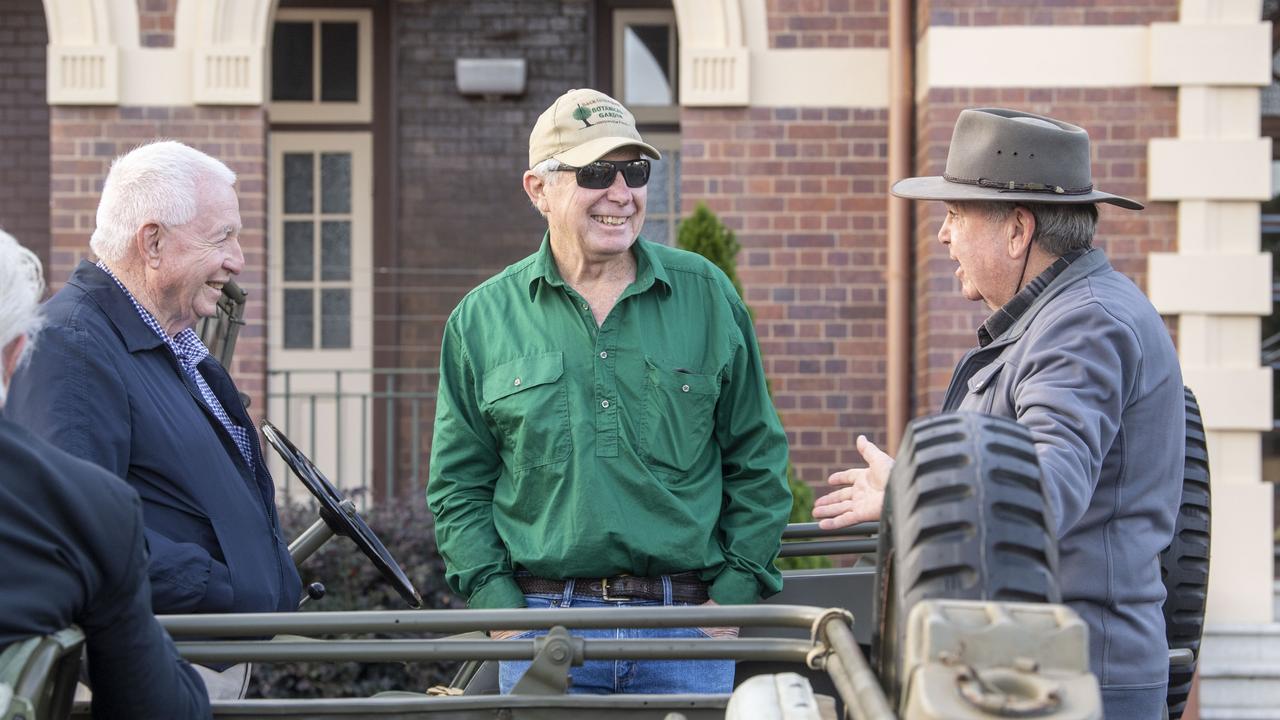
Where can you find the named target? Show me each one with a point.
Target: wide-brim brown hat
(582, 126)
(1000, 155)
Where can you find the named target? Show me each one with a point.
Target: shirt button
(586, 306)
(683, 388)
(603, 355)
(517, 382)
(604, 403)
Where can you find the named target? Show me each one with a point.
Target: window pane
(647, 65)
(338, 52)
(298, 182)
(335, 182)
(291, 61)
(659, 185)
(335, 319)
(299, 250)
(335, 250)
(655, 230)
(299, 319)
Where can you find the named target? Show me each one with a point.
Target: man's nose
(618, 190)
(235, 258)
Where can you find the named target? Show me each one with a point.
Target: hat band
(1011, 186)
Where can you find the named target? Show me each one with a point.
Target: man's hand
(862, 496)
(503, 634)
(718, 632)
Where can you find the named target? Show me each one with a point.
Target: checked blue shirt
(190, 351)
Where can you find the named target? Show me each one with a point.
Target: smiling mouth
(216, 285)
(610, 220)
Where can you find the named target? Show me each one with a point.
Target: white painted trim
(1209, 169)
(1231, 398)
(1223, 284)
(803, 78)
(1242, 543)
(1032, 57)
(1219, 54)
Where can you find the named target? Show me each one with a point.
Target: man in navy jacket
(120, 378)
(72, 541)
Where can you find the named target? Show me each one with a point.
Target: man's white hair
(21, 287)
(158, 183)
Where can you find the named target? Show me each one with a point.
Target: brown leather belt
(685, 587)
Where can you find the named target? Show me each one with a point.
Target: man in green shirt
(603, 429)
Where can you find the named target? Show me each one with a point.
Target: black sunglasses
(600, 174)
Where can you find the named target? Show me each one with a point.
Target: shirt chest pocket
(984, 386)
(678, 417)
(528, 404)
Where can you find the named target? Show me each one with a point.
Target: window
(320, 243)
(321, 66)
(645, 61)
(662, 209)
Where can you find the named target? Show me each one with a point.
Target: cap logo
(601, 110)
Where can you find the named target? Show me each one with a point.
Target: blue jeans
(604, 677)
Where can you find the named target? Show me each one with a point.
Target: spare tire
(965, 518)
(1184, 565)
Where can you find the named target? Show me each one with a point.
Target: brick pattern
(828, 23)
(84, 141)
(24, 125)
(979, 13)
(804, 189)
(1120, 122)
(463, 215)
(155, 22)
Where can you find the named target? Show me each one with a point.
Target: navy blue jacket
(103, 387)
(71, 540)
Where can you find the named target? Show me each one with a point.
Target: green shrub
(703, 233)
(352, 583)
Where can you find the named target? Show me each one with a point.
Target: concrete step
(1240, 672)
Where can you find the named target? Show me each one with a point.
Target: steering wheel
(340, 515)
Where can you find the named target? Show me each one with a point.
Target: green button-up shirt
(647, 445)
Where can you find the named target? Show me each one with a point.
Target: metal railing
(358, 426)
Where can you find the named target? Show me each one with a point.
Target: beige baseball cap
(582, 126)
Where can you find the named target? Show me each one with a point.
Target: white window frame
(360, 354)
(316, 110)
(621, 19)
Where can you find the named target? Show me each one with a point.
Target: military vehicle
(959, 617)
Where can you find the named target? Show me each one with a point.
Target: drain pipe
(898, 276)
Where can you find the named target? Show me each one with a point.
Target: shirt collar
(649, 269)
(186, 344)
(1004, 317)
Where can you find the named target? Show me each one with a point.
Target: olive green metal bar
(269, 651)
(458, 621)
(828, 547)
(804, 531)
(852, 676)
(311, 539)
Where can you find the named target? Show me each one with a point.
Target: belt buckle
(604, 593)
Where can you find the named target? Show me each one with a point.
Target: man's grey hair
(1060, 228)
(159, 183)
(547, 171)
(21, 288)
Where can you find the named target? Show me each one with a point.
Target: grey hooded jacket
(1090, 369)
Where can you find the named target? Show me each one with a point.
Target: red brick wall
(84, 141)
(828, 23)
(1120, 121)
(24, 125)
(804, 189)
(155, 22)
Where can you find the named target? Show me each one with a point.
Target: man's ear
(536, 188)
(1022, 227)
(147, 241)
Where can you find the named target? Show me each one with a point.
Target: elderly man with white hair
(121, 379)
(71, 536)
